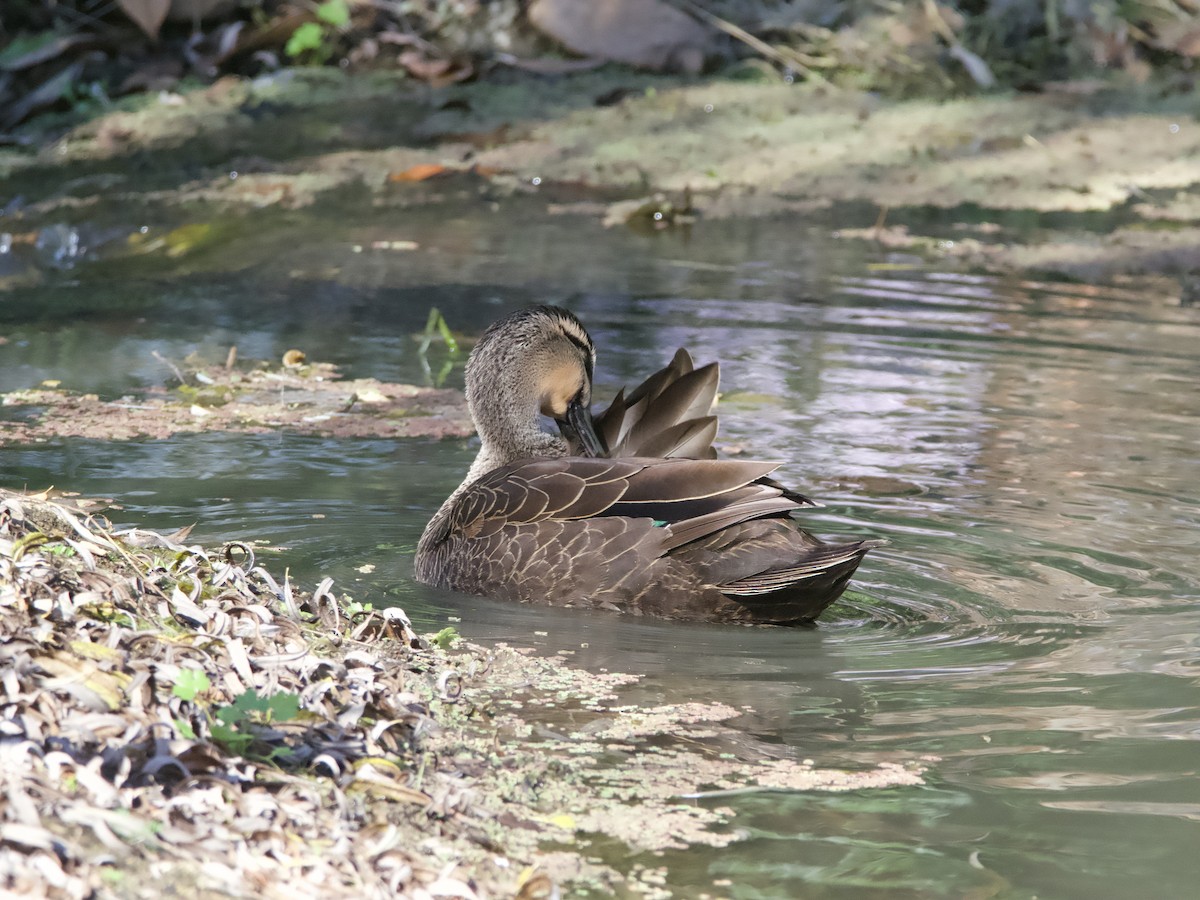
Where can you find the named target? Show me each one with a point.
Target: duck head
(537, 361)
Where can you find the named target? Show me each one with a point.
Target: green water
(1031, 450)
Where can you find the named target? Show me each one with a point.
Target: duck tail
(797, 594)
(666, 415)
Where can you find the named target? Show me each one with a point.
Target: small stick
(166, 362)
(757, 44)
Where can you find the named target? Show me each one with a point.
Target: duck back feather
(658, 526)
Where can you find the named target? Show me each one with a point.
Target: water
(1029, 448)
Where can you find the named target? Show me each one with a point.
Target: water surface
(1029, 448)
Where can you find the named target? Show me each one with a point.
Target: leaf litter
(310, 398)
(178, 719)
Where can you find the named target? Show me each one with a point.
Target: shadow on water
(1029, 449)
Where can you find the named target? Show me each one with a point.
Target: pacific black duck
(631, 511)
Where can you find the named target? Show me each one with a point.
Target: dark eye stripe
(585, 348)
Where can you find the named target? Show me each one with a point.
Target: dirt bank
(302, 397)
(1108, 179)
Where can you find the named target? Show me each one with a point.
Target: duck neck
(507, 435)
(504, 402)
(510, 445)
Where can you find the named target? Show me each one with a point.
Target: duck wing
(573, 488)
(680, 538)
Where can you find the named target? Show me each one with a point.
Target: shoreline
(1095, 186)
(178, 716)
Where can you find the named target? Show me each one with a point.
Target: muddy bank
(303, 397)
(178, 716)
(1106, 180)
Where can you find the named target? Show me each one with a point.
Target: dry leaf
(646, 33)
(420, 172)
(195, 10)
(46, 94)
(548, 66)
(1181, 37)
(147, 14)
(435, 71)
(47, 50)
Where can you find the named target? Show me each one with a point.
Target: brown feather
(672, 398)
(690, 439)
(660, 528)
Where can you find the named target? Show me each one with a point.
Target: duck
(629, 510)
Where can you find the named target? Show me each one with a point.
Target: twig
(879, 221)
(166, 362)
(789, 60)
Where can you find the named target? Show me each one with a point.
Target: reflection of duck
(629, 512)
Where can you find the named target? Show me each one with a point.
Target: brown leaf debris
(177, 720)
(118, 654)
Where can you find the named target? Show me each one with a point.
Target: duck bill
(578, 427)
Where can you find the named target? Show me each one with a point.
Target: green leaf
(248, 706)
(189, 683)
(284, 706)
(252, 701)
(185, 729)
(249, 702)
(446, 637)
(307, 37)
(444, 329)
(335, 12)
(27, 50)
(231, 738)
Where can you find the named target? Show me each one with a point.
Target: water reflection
(1027, 447)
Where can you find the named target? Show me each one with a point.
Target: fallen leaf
(648, 34)
(1181, 37)
(550, 66)
(148, 15)
(435, 71)
(196, 10)
(154, 75)
(45, 94)
(420, 172)
(26, 52)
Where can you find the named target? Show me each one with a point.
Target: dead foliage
(649, 34)
(56, 55)
(180, 713)
(69, 53)
(301, 396)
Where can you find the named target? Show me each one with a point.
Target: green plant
(190, 683)
(354, 608)
(233, 725)
(313, 41)
(437, 326)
